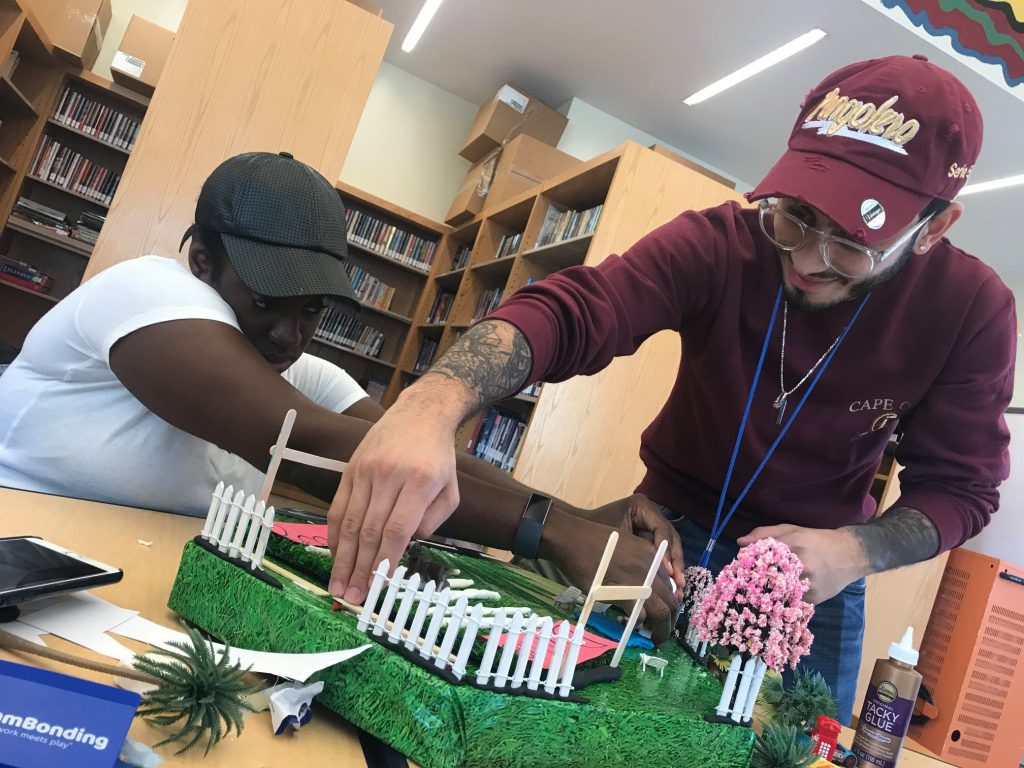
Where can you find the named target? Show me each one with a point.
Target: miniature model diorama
(799, 726)
(487, 668)
(755, 608)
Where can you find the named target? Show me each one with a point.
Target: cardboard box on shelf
(521, 164)
(141, 56)
(469, 200)
(76, 27)
(510, 113)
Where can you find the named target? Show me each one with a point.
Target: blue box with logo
(48, 719)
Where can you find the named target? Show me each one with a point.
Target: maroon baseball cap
(875, 142)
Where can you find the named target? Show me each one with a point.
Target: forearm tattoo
(898, 537)
(491, 365)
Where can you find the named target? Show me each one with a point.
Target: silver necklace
(780, 401)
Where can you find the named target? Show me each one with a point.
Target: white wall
(1004, 536)
(591, 132)
(165, 13)
(406, 146)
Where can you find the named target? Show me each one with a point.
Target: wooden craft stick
(15, 643)
(277, 453)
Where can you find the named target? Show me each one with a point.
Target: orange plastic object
(972, 659)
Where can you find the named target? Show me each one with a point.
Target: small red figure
(825, 736)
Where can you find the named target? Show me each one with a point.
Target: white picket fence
(442, 629)
(739, 692)
(700, 648)
(238, 525)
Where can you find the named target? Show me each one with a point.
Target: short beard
(855, 288)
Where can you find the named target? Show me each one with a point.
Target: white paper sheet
(77, 613)
(292, 666)
(82, 618)
(24, 631)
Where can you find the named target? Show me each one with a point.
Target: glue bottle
(888, 705)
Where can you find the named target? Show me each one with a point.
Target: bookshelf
(393, 254)
(72, 151)
(596, 208)
(28, 72)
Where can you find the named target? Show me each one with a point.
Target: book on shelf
(87, 227)
(42, 215)
(461, 257)
(349, 332)
(389, 240)
(533, 390)
(488, 302)
(370, 289)
(101, 121)
(508, 244)
(497, 437)
(441, 307)
(375, 389)
(63, 167)
(425, 356)
(565, 223)
(24, 275)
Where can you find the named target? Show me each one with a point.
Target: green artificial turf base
(641, 720)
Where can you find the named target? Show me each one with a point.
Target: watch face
(537, 508)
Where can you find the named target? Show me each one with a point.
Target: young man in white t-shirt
(152, 381)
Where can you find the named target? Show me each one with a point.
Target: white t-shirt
(69, 427)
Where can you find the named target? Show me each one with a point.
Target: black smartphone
(31, 567)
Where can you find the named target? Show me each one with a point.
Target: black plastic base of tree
(714, 717)
(9, 613)
(257, 573)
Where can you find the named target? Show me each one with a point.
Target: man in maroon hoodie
(812, 326)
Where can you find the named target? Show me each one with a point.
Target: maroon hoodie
(934, 347)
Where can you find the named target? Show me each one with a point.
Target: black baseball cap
(282, 224)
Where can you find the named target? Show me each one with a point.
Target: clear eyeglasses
(844, 256)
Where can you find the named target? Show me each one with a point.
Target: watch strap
(526, 542)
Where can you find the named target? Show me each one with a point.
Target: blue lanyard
(716, 527)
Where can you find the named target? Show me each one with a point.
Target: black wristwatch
(527, 539)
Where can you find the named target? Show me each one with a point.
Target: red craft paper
(303, 533)
(593, 645)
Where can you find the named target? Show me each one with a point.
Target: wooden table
(111, 534)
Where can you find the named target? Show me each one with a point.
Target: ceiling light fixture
(420, 25)
(768, 60)
(985, 186)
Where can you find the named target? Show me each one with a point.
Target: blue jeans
(837, 625)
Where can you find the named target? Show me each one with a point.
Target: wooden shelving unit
(639, 190)
(397, 323)
(47, 235)
(29, 100)
(25, 95)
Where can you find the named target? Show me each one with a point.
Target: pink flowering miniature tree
(756, 608)
(698, 581)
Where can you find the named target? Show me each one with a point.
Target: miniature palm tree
(781, 746)
(756, 609)
(801, 704)
(200, 693)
